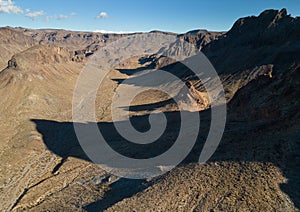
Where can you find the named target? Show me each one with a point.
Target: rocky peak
(269, 20)
(273, 37)
(273, 14)
(266, 20)
(199, 37)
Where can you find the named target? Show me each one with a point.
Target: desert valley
(255, 167)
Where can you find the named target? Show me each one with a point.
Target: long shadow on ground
(242, 141)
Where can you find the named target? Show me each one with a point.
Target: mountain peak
(266, 19)
(282, 13)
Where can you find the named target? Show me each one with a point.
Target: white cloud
(35, 15)
(112, 32)
(102, 15)
(9, 7)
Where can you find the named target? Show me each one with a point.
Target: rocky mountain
(200, 38)
(255, 167)
(272, 37)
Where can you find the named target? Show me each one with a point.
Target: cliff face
(272, 38)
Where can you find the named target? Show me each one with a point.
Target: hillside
(12, 42)
(259, 66)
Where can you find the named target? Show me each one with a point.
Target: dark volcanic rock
(12, 63)
(256, 41)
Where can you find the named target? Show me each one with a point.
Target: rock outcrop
(200, 38)
(12, 63)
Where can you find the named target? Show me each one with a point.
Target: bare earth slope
(12, 42)
(31, 91)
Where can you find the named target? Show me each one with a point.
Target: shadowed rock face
(270, 38)
(200, 38)
(12, 63)
(255, 167)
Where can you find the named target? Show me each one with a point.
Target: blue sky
(135, 15)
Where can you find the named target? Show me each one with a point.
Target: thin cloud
(60, 17)
(102, 15)
(113, 32)
(47, 18)
(9, 7)
(35, 15)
